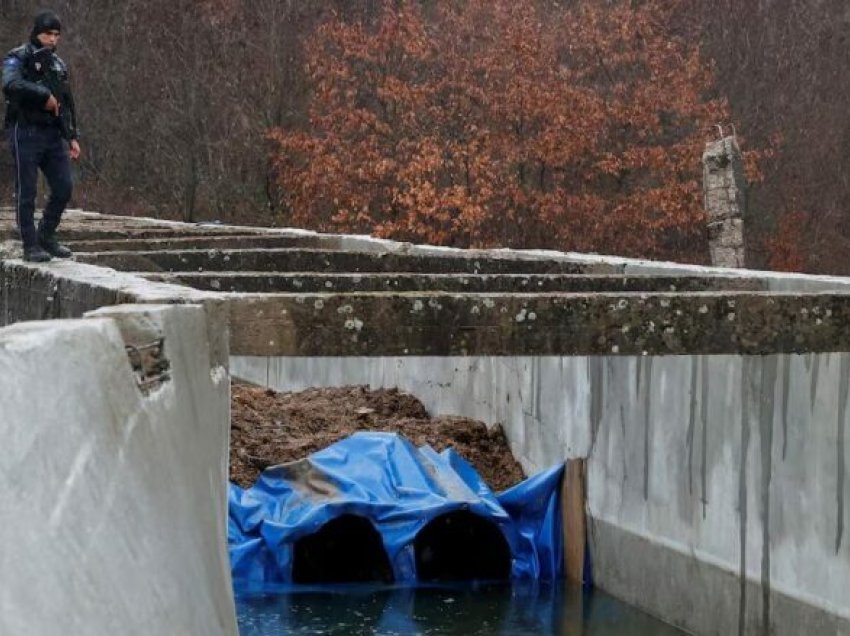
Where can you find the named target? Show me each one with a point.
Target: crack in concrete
(844, 379)
(766, 413)
(647, 454)
(703, 408)
(786, 393)
(742, 495)
(692, 425)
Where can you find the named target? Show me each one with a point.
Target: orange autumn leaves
(502, 123)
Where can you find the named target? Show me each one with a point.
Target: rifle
(41, 70)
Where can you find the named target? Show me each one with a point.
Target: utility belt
(29, 117)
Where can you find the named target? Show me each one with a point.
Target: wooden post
(573, 515)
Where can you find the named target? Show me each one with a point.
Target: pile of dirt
(269, 428)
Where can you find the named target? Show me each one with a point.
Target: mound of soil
(269, 428)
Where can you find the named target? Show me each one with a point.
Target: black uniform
(38, 138)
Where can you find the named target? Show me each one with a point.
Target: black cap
(45, 21)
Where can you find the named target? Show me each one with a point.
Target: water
(464, 609)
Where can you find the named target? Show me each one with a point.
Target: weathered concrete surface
(321, 260)
(725, 189)
(537, 324)
(65, 289)
(294, 283)
(174, 241)
(113, 505)
(735, 467)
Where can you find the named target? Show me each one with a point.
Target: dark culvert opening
(461, 546)
(347, 549)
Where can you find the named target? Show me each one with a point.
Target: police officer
(41, 127)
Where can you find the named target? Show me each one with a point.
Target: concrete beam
(280, 282)
(306, 260)
(440, 324)
(191, 242)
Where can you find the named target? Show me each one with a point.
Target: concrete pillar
(725, 190)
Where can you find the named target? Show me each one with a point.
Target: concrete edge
(709, 598)
(782, 280)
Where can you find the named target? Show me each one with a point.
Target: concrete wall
(701, 468)
(113, 509)
(708, 468)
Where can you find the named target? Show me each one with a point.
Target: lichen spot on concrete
(475, 310)
(418, 306)
(703, 309)
(532, 315)
(345, 309)
(215, 283)
(319, 304)
(622, 304)
(521, 316)
(434, 304)
(329, 284)
(731, 316)
(354, 324)
(489, 304)
(218, 374)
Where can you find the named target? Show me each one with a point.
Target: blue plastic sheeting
(399, 488)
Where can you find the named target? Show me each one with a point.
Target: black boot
(50, 245)
(36, 254)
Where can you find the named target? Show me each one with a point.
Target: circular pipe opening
(347, 549)
(461, 546)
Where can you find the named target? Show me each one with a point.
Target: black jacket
(30, 76)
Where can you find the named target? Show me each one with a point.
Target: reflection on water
(467, 610)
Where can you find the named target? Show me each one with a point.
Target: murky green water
(465, 610)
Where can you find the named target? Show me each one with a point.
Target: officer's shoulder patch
(11, 61)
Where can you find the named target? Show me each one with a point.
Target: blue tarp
(399, 488)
